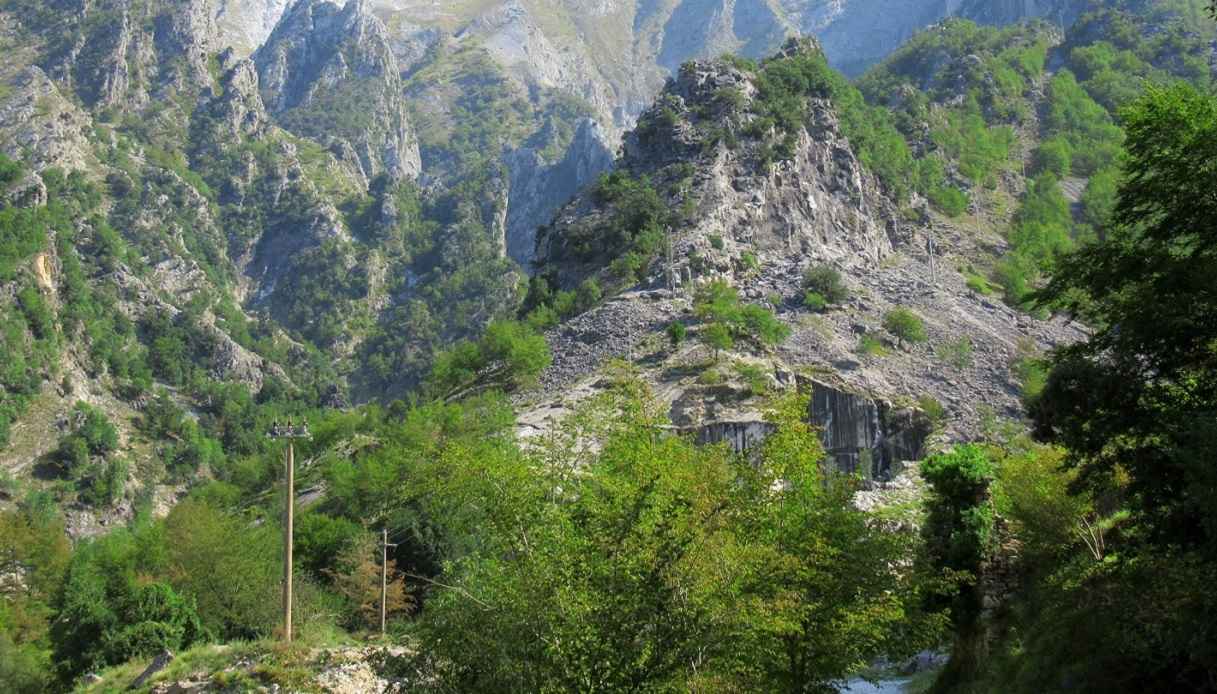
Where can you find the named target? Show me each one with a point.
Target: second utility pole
(384, 576)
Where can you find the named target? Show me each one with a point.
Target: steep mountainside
(761, 219)
(543, 68)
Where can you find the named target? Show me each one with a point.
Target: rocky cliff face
(119, 54)
(329, 73)
(610, 57)
(245, 24)
(538, 190)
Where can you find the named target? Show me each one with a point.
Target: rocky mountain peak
(329, 72)
(707, 151)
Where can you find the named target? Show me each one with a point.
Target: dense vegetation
(654, 561)
(1117, 529)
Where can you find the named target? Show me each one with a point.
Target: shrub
(762, 326)
(588, 294)
(827, 282)
(978, 283)
(757, 378)
(905, 326)
(871, 346)
(717, 337)
(932, 409)
(1054, 156)
(814, 301)
(93, 435)
(951, 200)
(676, 333)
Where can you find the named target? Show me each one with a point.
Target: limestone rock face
(820, 203)
(41, 126)
(245, 24)
(538, 190)
(866, 436)
(329, 73)
(127, 55)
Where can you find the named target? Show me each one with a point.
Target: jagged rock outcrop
(329, 73)
(760, 224)
(39, 125)
(128, 55)
(820, 202)
(238, 110)
(538, 190)
(245, 24)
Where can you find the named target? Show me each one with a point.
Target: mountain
(287, 221)
(760, 208)
(554, 66)
(452, 238)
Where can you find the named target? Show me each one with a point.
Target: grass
(236, 666)
(756, 376)
(871, 346)
(979, 284)
(815, 324)
(957, 353)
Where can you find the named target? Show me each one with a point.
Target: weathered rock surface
(538, 190)
(328, 72)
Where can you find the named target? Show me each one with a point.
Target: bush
(905, 326)
(827, 282)
(717, 337)
(588, 294)
(93, 435)
(676, 333)
(932, 409)
(761, 325)
(814, 301)
(951, 200)
(871, 346)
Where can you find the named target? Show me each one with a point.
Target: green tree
(904, 325)
(1144, 375)
(1134, 404)
(663, 565)
(716, 336)
(676, 333)
(958, 535)
(1054, 156)
(232, 570)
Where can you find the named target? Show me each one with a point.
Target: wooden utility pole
(289, 432)
(384, 576)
